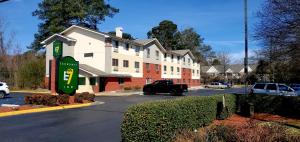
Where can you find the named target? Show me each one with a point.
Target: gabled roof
(58, 36)
(236, 68)
(101, 34)
(183, 52)
(205, 68)
(84, 28)
(146, 42)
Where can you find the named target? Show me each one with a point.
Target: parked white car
(216, 85)
(4, 90)
(296, 87)
(272, 89)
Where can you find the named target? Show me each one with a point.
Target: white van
(4, 91)
(272, 89)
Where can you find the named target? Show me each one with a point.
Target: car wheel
(173, 92)
(147, 91)
(2, 95)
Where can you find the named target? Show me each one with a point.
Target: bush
(41, 99)
(288, 106)
(127, 88)
(137, 87)
(63, 99)
(79, 98)
(159, 121)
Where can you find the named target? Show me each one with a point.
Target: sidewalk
(196, 88)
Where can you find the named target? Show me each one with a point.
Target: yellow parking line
(36, 110)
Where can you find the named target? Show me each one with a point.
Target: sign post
(68, 70)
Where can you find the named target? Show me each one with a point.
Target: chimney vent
(119, 32)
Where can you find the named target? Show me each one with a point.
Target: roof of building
(96, 72)
(146, 42)
(59, 36)
(183, 52)
(205, 68)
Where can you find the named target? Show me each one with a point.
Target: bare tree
(224, 59)
(279, 32)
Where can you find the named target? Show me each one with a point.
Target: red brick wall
(187, 76)
(151, 73)
(112, 84)
(46, 83)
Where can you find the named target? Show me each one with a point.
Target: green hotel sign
(68, 75)
(57, 48)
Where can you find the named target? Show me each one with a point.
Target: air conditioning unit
(115, 68)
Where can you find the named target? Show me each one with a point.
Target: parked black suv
(164, 87)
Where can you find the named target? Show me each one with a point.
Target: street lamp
(246, 43)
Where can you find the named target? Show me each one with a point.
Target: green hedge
(288, 106)
(160, 120)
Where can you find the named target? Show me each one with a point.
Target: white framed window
(148, 53)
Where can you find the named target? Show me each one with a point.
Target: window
(178, 69)
(81, 81)
(148, 53)
(165, 56)
(271, 87)
(178, 59)
(93, 81)
(147, 66)
(172, 69)
(172, 57)
(116, 44)
(157, 54)
(137, 51)
(88, 54)
(193, 72)
(121, 80)
(183, 60)
(125, 63)
(165, 69)
(197, 71)
(259, 86)
(115, 62)
(156, 67)
(137, 64)
(189, 61)
(127, 46)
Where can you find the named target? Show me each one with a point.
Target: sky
(219, 22)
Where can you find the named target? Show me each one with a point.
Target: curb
(34, 92)
(36, 110)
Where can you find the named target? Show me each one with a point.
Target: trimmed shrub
(41, 99)
(288, 106)
(159, 121)
(127, 88)
(79, 98)
(63, 99)
(137, 87)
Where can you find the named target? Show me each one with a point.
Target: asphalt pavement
(95, 123)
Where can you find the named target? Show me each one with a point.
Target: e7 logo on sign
(68, 75)
(68, 72)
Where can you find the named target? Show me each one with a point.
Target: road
(95, 123)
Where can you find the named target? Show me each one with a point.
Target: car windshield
(283, 88)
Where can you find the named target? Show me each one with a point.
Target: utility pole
(246, 44)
